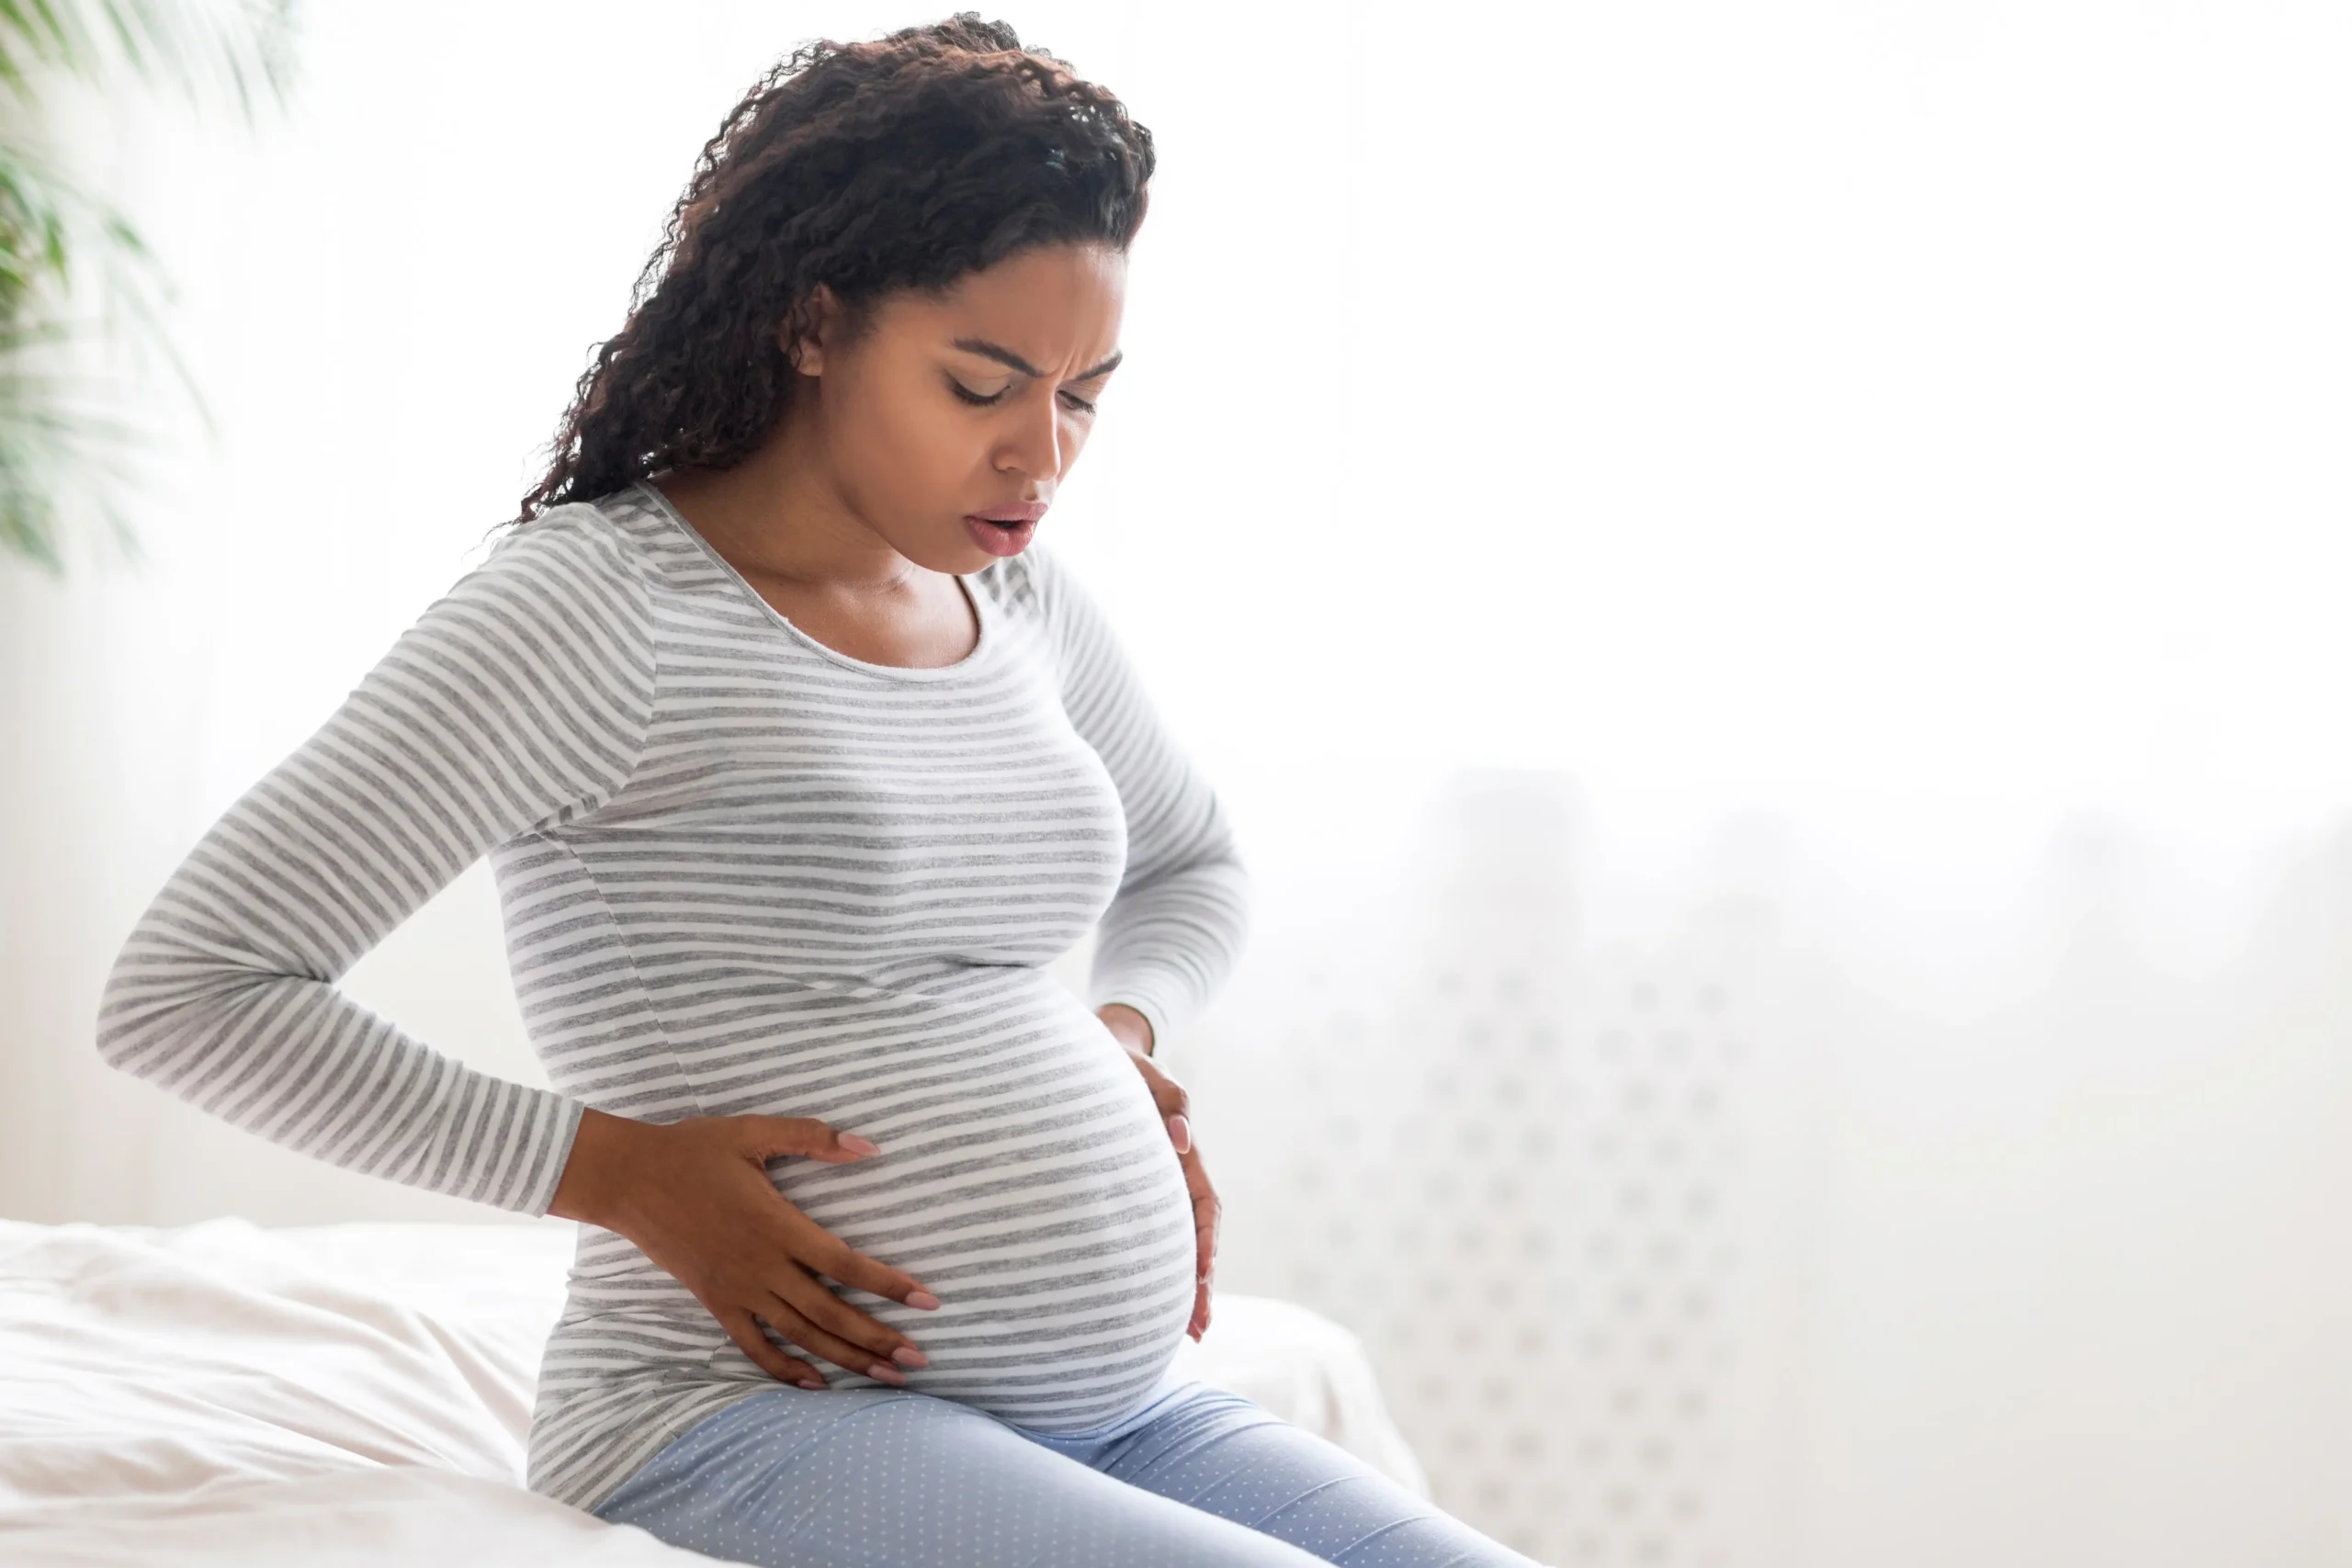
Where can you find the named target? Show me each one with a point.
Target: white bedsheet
(395, 1517)
(226, 1392)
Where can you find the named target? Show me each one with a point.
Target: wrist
(1130, 1027)
(590, 1185)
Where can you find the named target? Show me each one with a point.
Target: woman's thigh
(1219, 1453)
(889, 1478)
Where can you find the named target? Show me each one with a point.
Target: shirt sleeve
(1175, 928)
(519, 699)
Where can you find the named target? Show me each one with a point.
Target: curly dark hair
(904, 161)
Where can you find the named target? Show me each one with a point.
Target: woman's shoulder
(603, 536)
(571, 577)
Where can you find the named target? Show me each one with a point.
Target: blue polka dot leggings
(894, 1478)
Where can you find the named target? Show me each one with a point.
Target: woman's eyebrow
(1005, 355)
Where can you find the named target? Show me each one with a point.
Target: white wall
(1871, 481)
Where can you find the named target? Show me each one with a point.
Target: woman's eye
(969, 396)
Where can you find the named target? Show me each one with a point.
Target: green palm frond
(62, 450)
(55, 430)
(236, 48)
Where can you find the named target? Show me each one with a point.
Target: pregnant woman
(798, 759)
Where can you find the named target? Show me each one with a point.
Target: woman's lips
(999, 538)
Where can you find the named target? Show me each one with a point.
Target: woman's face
(975, 401)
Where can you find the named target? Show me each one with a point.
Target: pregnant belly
(1027, 1179)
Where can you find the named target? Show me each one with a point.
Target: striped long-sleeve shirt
(738, 871)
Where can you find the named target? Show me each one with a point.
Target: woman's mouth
(999, 538)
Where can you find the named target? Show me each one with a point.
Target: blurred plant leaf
(60, 440)
(204, 48)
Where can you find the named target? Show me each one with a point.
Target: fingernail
(858, 1145)
(1181, 1130)
(908, 1356)
(884, 1372)
(815, 1385)
(923, 1300)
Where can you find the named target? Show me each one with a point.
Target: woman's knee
(1224, 1455)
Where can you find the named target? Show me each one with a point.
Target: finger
(1207, 1212)
(1171, 1096)
(790, 1324)
(770, 1136)
(744, 1329)
(836, 1316)
(817, 1248)
(1203, 1289)
(1196, 1178)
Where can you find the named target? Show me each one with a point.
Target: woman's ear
(801, 334)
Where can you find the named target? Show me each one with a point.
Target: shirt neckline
(982, 609)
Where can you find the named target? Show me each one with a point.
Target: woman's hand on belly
(696, 1198)
(1133, 1032)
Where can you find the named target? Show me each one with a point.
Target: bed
(223, 1392)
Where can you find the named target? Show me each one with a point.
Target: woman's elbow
(146, 1002)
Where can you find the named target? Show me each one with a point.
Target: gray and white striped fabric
(739, 872)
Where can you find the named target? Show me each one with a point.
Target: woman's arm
(521, 697)
(1175, 928)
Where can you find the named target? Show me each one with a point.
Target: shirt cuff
(1154, 1013)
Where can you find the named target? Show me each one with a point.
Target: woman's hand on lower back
(696, 1198)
